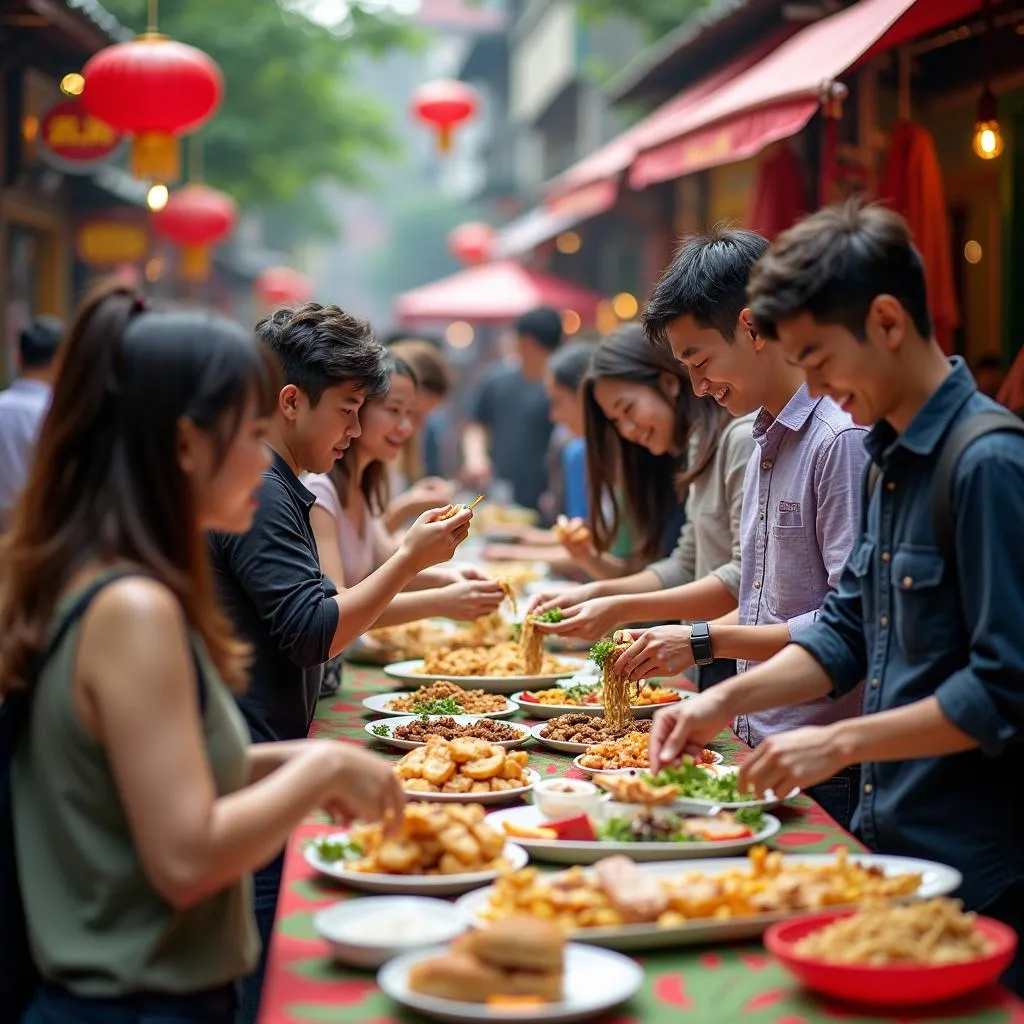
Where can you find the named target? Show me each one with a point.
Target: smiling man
(800, 494)
(930, 606)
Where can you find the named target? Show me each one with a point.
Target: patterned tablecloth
(697, 985)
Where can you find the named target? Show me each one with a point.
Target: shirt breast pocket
(789, 587)
(860, 564)
(925, 621)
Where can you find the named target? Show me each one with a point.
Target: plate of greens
(711, 785)
(459, 702)
(647, 834)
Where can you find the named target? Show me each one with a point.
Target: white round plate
(379, 703)
(573, 851)
(410, 885)
(562, 746)
(533, 709)
(632, 771)
(937, 880)
(393, 723)
(411, 674)
(500, 797)
(596, 980)
(768, 801)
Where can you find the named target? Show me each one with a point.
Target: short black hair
(570, 363)
(39, 342)
(834, 264)
(544, 325)
(707, 279)
(320, 347)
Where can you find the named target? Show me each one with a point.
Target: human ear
(745, 328)
(186, 446)
(288, 402)
(669, 385)
(888, 320)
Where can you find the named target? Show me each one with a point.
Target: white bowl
(556, 805)
(343, 927)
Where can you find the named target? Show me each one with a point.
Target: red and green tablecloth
(689, 985)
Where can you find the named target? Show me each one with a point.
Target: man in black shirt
(269, 579)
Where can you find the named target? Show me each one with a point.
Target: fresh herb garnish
(602, 651)
(331, 850)
(440, 706)
(551, 615)
(381, 730)
(752, 817)
(580, 691)
(696, 784)
(517, 631)
(645, 828)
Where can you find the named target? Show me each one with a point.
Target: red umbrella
(494, 293)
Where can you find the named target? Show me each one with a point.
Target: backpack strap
(957, 441)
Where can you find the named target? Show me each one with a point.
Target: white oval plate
(501, 797)
(938, 880)
(379, 703)
(596, 980)
(573, 851)
(633, 771)
(410, 885)
(411, 674)
(532, 709)
(393, 723)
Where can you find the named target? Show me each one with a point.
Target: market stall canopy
(536, 227)
(778, 95)
(491, 294)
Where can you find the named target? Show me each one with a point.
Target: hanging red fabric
(780, 193)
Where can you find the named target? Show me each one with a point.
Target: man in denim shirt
(939, 643)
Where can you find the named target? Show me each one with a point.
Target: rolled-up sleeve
(680, 567)
(985, 698)
(279, 573)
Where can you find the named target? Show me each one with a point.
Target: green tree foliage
(292, 114)
(658, 17)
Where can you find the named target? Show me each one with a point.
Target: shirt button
(908, 582)
(767, 464)
(886, 556)
(762, 517)
(757, 584)
(884, 621)
(869, 789)
(891, 485)
(874, 684)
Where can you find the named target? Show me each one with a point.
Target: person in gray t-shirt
(510, 428)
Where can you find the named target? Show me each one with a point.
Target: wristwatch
(700, 643)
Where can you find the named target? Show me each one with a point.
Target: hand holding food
(572, 531)
(793, 760)
(686, 728)
(461, 766)
(470, 599)
(587, 621)
(362, 786)
(432, 539)
(453, 510)
(661, 651)
(562, 598)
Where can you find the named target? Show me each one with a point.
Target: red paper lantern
(282, 286)
(444, 105)
(154, 89)
(196, 217)
(471, 243)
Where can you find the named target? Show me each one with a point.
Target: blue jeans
(55, 1005)
(838, 796)
(266, 887)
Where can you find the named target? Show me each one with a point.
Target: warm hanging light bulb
(988, 139)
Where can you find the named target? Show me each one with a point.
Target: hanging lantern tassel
(195, 262)
(444, 105)
(155, 157)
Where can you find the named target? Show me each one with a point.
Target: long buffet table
(699, 985)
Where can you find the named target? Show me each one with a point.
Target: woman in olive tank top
(139, 808)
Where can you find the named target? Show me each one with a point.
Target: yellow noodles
(618, 692)
(531, 646)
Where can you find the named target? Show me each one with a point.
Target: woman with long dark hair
(650, 438)
(139, 807)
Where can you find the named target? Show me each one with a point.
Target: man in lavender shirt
(801, 497)
(23, 406)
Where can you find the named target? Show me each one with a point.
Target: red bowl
(902, 985)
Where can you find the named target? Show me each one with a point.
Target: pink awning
(777, 96)
(493, 293)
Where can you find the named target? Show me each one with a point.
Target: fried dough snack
(433, 839)
(472, 702)
(634, 789)
(463, 765)
(410, 640)
(628, 752)
(568, 532)
(501, 660)
(766, 885)
(456, 509)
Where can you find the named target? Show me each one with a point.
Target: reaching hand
(661, 651)
(363, 787)
(563, 599)
(468, 600)
(429, 541)
(685, 728)
(793, 760)
(588, 621)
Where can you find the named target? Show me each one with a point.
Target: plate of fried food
(465, 770)
(623, 905)
(497, 669)
(438, 850)
(576, 732)
(586, 697)
(399, 643)
(889, 956)
(414, 730)
(442, 698)
(643, 834)
(517, 969)
(627, 755)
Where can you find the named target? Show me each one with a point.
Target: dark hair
(707, 279)
(39, 342)
(373, 484)
(433, 374)
(569, 365)
(651, 484)
(544, 325)
(834, 264)
(105, 484)
(320, 347)
(991, 361)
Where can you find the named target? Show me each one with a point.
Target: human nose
(355, 428)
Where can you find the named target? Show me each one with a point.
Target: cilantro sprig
(696, 784)
(381, 730)
(552, 615)
(331, 850)
(602, 651)
(440, 706)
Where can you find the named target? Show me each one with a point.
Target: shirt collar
(29, 384)
(284, 471)
(794, 415)
(928, 427)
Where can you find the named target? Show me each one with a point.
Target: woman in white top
(347, 518)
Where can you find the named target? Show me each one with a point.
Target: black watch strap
(700, 643)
